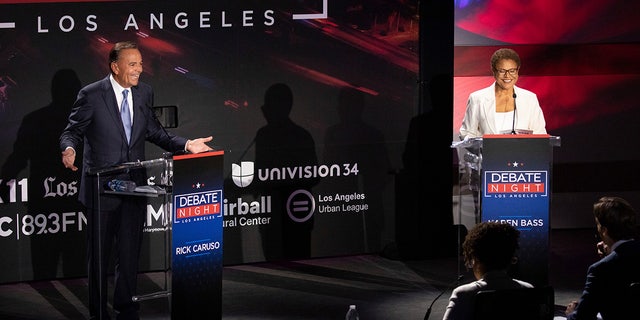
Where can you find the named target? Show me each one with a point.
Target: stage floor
(382, 288)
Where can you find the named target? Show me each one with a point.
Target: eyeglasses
(512, 72)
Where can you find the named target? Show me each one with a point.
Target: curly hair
(504, 54)
(493, 244)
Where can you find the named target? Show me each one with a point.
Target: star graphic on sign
(198, 185)
(515, 164)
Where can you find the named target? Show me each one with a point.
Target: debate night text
(197, 205)
(516, 182)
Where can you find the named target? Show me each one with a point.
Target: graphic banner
(516, 189)
(316, 182)
(197, 245)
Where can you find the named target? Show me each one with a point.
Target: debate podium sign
(197, 236)
(516, 189)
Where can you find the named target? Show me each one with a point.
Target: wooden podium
(515, 187)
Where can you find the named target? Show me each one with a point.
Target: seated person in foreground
(607, 293)
(488, 249)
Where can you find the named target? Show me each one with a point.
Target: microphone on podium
(454, 283)
(513, 122)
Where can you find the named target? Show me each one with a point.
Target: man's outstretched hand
(199, 145)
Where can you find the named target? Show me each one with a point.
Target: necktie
(125, 115)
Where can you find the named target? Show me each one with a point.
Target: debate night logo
(505, 183)
(197, 206)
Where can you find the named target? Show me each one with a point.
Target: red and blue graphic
(515, 183)
(197, 253)
(198, 206)
(516, 171)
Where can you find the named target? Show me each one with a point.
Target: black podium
(197, 258)
(509, 177)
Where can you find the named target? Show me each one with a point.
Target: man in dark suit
(607, 288)
(111, 119)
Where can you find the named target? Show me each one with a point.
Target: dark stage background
(390, 141)
(214, 61)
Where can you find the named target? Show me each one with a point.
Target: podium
(192, 186)
(509, 178)
(197, 259)
(157, 173)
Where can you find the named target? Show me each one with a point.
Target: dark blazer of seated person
(521, 304)
(607, 287)
(489, 250)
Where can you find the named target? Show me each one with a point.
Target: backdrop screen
(351, 67)
(577, 56)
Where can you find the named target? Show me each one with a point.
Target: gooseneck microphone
(156, 120)
(451, 285)
(513, 122)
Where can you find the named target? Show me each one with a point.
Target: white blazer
(480, 116)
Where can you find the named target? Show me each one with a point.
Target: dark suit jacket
(95, 119)
(607, 286)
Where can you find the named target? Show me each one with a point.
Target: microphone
(156, 120)
(513, 122)
(451, 285)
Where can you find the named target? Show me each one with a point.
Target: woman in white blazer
(503, 107)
